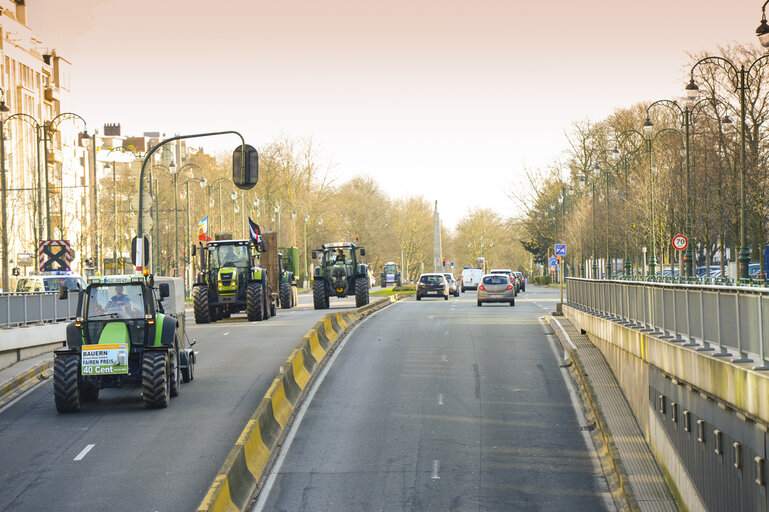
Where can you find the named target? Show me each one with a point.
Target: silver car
(453, 284)
(496, 288)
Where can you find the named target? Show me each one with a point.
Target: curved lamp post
(176, 174)
(218, 182)
(685, 115)
(741, 78)
(107, 166)
(48, 128)
(187, 258)
(648, 128)
(614, 157)
(624, 158)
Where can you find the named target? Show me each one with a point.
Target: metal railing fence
(34, 308)
(725, 321)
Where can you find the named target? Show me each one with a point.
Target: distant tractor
(391, 275)
(230, 281)
(127, 331)
(339, 274)
(287, 262)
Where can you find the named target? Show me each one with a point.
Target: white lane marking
(444, 359)
(84, 452)
(440, 398)
(598, 473)
(436, 467)
(264, 493)
(226, 333)
(446, 333)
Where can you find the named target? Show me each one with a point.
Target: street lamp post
(176, 175)
(647, 128)
(48, 129)
(187, 258)
(741, 79)
(3, 112)
(218, 182)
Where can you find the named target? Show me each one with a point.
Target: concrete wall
(733, 388)
(25, 342)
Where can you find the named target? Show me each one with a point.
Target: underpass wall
(671, 388)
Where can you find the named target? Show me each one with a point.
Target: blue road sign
(553, 262)
(560, 249)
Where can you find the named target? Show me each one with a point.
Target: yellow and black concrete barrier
(237, 480)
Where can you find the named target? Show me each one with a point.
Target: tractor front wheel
(254, 302)
(319, 295)
(200, 304)
(156, 381)
(66, 392)
(361, 292)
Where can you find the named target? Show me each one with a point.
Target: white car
(471, 278)
(50, 282)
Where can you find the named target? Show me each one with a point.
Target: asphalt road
(438, 405)
(116, 455)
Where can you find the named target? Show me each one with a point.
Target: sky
(451, 100)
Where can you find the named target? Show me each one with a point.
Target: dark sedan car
(432, 284)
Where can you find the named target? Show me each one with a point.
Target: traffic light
(444, 262)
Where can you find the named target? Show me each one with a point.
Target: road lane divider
(240, 475)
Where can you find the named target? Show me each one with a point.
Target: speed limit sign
(680, 242)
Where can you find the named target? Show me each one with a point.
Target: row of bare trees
(598, 197)
(298, 196)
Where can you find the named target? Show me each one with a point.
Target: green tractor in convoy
(231, 281)
(391, 275)
(339, 274)
(288, 258)
(127, 331)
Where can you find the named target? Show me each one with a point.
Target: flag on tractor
(203, 230)
(256, 235)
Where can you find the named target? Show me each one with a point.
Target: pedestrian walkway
(23, 375)
(639, 474)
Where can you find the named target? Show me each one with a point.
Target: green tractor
(339, 274)
(287, 262)
(127, 331)
(231, 281)
(391, 274)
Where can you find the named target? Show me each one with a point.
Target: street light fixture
(763, 29)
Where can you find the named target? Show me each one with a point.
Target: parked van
(471, 278)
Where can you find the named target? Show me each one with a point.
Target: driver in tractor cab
(339, 256)
(123, 303)
(228, 256)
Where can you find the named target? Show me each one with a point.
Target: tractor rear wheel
(176, 379)
(285, 295)
(188, 373)
(361, 292)
(200, 304)
(319, 295)
(254, 302)
(66, 392)
(269, 308)
(156, 381)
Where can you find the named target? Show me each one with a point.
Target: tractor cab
(124, 303)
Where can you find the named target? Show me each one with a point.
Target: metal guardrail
(34, 308)
(728, 321)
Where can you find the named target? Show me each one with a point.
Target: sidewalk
(640, 477)
(21, 376)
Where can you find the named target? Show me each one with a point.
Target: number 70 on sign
(560, 249)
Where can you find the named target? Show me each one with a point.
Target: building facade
(44, 154)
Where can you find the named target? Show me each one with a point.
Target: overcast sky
(446, 99)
